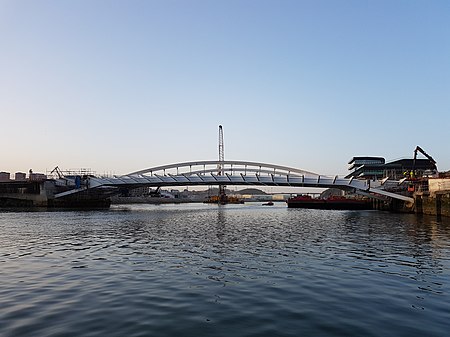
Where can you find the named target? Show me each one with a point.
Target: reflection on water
(235, 270)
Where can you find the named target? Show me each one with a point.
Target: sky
(120, 86)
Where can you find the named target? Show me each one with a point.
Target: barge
(332, 203)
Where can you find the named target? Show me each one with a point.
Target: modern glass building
(377, 168)
(366, 167)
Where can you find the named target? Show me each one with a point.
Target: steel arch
(234, 173)
(233, 166)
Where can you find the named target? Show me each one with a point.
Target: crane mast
(221, 146)
(222, 198)
(220, 166)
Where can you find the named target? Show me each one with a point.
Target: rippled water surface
(236, 270)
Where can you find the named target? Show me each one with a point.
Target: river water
(234, 270)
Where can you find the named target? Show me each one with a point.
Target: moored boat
(333, 202)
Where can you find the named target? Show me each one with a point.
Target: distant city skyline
(119, 86)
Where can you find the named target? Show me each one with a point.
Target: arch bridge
(209, 173)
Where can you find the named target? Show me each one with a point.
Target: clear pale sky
(118, 86)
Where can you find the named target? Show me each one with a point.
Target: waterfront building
(366, 167)
(377, 168)
(398, 169)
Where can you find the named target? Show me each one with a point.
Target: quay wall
(432, 197)
(436, 204)
(30, 194)
(23, 194)
(435, 201)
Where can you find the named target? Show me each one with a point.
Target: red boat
(333, 202)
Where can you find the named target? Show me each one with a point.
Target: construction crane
(432, 161)
(413, 176)
(222, 198)
(57, 170)
(220, 166)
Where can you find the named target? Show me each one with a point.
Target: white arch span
(227, 166)
(237, 173)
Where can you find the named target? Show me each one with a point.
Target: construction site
(417, 177)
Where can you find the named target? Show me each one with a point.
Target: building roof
(366, 158)
(421, 164)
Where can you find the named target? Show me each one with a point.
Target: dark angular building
(377, 168)
(400, 168)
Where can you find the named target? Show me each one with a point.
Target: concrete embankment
(435, 200)
(432, 197)
(41, 194)
(437, 204)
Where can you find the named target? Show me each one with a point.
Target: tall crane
(222, 198)
(220, 166)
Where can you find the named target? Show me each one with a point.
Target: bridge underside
(214, 180)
